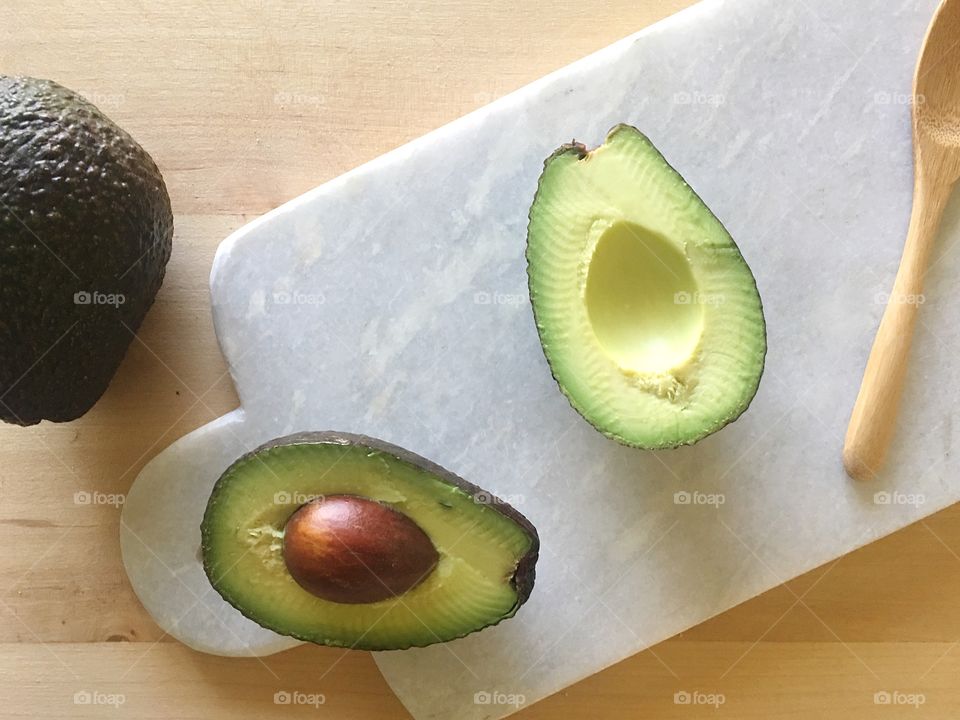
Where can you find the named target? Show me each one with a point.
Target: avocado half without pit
(344, 540)
(648, 315)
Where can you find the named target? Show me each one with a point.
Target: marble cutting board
(392, 302)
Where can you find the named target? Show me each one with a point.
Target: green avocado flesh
(487, 550)
(648, 314)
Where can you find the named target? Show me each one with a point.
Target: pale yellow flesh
(469, 588)
(647, 312)
(641, 300)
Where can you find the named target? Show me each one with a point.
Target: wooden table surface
(244, 105)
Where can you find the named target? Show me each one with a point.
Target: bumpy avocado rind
(487, 549)
(85, 236)
(648, 314)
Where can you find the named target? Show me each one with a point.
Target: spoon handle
(875, 411)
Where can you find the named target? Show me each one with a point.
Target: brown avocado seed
(350, 549)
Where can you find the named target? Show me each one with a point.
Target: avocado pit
(351, 549)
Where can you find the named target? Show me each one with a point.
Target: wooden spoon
(936, 151)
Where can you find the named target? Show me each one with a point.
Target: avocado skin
(83, 209)
(525, 574)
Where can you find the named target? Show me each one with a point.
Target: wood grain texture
(936, 151)
(244, 105)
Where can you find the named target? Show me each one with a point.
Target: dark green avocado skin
(85, 220)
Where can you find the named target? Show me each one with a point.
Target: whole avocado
(85, 235)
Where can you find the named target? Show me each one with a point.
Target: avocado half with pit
(345, 540)
(648, 314)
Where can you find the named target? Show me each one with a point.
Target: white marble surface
(407, 319)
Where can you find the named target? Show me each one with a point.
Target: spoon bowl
(936, 107)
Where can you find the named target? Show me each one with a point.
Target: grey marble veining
(392, 301)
